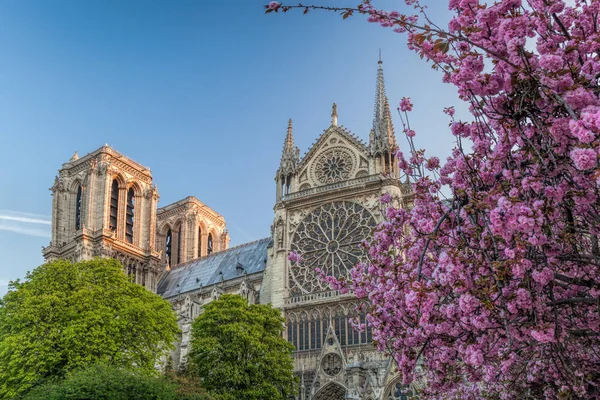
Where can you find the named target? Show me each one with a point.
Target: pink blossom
(583, 159)
(405, 104)
(295, 257)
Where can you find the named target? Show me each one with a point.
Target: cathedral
(326, 203)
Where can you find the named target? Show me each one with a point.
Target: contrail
(25, 223)
(26, 220)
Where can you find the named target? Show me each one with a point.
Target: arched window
(199, 253)
(168, 246)
(78, 209)
(293, 332)
(209, 244)
(315, 332)
(179, 245)
(303, 333)
(340, 327)
(114, 205)
(129, 216)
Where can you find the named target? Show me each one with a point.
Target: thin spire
(382, 136)
(289, 138)
(291, 154)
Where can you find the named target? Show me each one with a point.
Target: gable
(336, 156)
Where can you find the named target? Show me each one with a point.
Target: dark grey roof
(208, 270)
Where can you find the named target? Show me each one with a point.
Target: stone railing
(331, 186)
(305, 298)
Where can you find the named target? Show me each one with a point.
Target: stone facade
(326, 204)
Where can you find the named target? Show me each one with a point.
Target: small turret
(290, 157)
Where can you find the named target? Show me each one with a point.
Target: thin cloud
(25, 223)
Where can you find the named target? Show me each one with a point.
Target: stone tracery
(328, 238)
(333, 166)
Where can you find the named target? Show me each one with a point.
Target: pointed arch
(130, 215)
(178, 241)
(210, 243)
(168, 246)
(303, 332)
(114, 205)
(315, 330)
(78, 203)
(331, 391)
(292, 329)
(340, 325)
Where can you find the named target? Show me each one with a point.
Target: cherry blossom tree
(495, 290)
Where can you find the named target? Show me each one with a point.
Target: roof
(212, 269)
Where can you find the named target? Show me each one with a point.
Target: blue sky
(200, 92)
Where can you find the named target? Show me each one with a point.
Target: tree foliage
(66, 316)
(238, 352)
(104, 382)
(496, 289)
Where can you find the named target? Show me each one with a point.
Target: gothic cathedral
(326, 205)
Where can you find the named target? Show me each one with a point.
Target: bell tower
(104, 205)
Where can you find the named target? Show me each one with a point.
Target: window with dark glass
(301, 334)
(78, 209)
(295, 334)
(129, 216)
(209, 244)
(114, 205)
(169, 246)
(179, 246)
(199, 242)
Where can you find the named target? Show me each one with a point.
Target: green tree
(65, 316)
(238, 352)
(105, 382)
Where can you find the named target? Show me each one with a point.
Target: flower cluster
(495, 291)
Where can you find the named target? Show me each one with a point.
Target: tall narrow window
(199, 253)
(179, 246)
(301, 334)
(209, 244)
(78, 209)
(129, 216)
(168, 246)
(114, 205)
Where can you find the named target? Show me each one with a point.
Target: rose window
(331, 364)
(328, 238)
(333, 166)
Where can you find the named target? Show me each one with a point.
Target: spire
(382, 135)
(289, 138)
(290, 155)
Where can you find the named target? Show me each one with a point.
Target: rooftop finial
(289, 139)
(334, 115)
(75, 156)
(380, 62)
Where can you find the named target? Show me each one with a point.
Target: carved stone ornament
(58, 185)
(331, 364)
(279, 233)
(328, 238)
(93, 164)
(334, 165)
